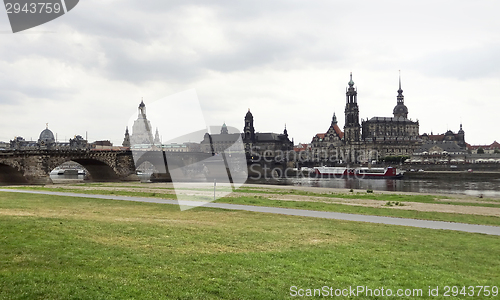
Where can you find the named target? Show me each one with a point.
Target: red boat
(360, 173)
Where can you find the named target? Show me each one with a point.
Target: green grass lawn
(55, 247)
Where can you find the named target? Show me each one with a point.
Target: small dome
(400, 110)
(47, 136)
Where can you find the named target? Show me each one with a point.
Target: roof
(229, 137)
(338, 131)
(436, 137)
(446, 146)
(390, 119)
(301, 147)
(267, 136)
(494, 145)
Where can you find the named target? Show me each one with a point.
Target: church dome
(47, 136)
(400, 110)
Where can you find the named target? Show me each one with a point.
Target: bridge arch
(11, 175)
(97, 169)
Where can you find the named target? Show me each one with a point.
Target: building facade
(371, 139)
(268, 144)
(47, 141)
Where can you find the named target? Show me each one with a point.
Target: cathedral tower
(351, 126)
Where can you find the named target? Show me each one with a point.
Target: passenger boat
(360, 173)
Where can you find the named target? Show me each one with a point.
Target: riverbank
(454, 208)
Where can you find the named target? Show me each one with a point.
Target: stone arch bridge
(34, 166)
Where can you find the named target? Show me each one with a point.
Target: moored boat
(360, 173)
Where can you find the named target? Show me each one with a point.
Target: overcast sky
(288, 61)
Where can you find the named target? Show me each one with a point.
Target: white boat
(342, 172)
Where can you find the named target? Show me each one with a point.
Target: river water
(485, 188)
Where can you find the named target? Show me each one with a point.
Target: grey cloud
(463, 64)
(110, 30)
(11, 91)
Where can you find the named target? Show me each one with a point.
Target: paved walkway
(491, 230)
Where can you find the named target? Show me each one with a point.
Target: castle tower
(351, 126)
(400, 110)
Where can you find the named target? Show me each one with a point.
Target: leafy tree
(480, 150)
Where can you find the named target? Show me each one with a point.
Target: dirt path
(273, 193)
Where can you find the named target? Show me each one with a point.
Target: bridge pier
(38, 180)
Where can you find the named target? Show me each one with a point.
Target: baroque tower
(351, 127)
(400, 110)
(248, 132)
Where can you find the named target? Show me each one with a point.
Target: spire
(126, 139)
(334, 119)
(351, 83)
(400, 91)
(285, 132)
(157, 137)
(351, 92)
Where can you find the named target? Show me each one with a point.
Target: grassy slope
(77, 248)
